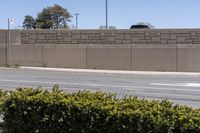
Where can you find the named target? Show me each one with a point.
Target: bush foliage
(38, 111)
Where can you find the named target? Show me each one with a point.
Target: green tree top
(29, 22)
(52, 17)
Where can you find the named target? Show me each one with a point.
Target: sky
(163, 14)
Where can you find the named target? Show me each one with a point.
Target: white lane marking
(193, 84)
(177, 84)
(64, 83)
(129, 88)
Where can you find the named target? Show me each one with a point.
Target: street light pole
(106, 14)
(76, 14)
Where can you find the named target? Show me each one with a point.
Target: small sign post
(8, 56)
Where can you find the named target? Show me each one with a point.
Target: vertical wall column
(116, 57)
(2, 47)
(188, 59)
(154, 57)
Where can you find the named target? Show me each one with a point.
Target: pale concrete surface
(27, 55)
(66, 56)
(188, 58)
(15, 37)
(153, 57)
(139, 57)
(2, 55)
(3, 38)
(115, 57)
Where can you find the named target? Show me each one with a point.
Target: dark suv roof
(140, 26)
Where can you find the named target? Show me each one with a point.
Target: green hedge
(38, 111)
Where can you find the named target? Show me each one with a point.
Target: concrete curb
(110, 71)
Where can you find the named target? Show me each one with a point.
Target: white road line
(178, 84)
(166, 89)
(74, 84)
(129, 88)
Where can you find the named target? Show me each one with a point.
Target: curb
(110, 71)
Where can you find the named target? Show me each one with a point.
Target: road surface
(180, 88)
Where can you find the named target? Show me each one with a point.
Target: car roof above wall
(139, 26)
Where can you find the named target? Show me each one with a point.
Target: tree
(54, 17)
(29, 22)
(110, 27)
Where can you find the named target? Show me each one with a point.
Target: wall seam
(177, 58)
(131, 56)
(86, 56)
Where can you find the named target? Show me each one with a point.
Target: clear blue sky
(122, 13)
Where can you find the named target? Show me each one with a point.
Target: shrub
(34, 110)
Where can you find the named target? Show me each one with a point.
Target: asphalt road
(178, 87)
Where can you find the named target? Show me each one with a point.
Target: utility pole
(8, 57)
(76, 14)
(106, 14)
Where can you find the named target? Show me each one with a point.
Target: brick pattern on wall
(148, 36)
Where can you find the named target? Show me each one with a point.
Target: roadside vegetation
(10, 66)
(28, 110)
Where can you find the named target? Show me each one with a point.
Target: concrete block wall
(154, 57)
(188, 58)
(66, 56)
(117, 57)
(27, 55)
(15, 39)
(147, 36)
(2, 55)
(138, 50)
